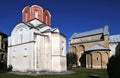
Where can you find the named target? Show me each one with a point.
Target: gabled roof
(97, 47)
(52, 30)
(37, 24)
(114, 38)
(92, 32)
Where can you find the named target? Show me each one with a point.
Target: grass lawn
(80, 73)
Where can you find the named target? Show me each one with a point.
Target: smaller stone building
(3, 49)
(91, 47)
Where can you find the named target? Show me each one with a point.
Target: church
(91, 47)
(34, 45)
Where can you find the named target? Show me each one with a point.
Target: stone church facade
(34, 45)
(91, 48)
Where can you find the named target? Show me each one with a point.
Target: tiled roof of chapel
(97, 47)
(114, 38)
(92, 32)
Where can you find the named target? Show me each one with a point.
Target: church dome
(35, 11)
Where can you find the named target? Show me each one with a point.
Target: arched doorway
(81, 56)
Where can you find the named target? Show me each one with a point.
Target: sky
(68, 15)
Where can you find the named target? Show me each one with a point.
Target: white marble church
(34, 46)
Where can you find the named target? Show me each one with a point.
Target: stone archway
(105, 59)
(74, 49)
(81, 56)
(89, 60)
(97, 60)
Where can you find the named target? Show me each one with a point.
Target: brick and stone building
(91, 47)
(3, 49)
(34, 45)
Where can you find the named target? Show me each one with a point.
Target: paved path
(43, 73)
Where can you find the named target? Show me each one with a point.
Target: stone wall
(97, 59)
(80, 45)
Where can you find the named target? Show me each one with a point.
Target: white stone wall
(113, 48)
(63, 53)
(55, 53)
(58, 53)
(28, 51)
(20, 57)
(48, 52)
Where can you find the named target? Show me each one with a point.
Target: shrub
(71, 59)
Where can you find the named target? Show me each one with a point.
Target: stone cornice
(22, 43)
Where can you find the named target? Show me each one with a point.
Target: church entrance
(81, 56)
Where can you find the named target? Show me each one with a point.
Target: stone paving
(43, 73)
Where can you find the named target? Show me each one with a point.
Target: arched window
(1, 56)
(25, 53)
(74, 49)
(26, 16)
(2, 45)
(62, 47)
(36, 14)
(98, 56)
(46, 17)
(98, 59)
(21, 38)
(13, 54)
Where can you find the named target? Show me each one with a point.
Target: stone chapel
(91, 48)
(34, 45)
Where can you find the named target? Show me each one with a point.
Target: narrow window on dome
(26, 16)
(46, 19)
(36, 14)
(21, 38)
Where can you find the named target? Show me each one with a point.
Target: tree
(71, 59)
(113, 66)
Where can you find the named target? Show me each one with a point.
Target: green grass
(80, 73)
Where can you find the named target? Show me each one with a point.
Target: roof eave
(98, 50)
